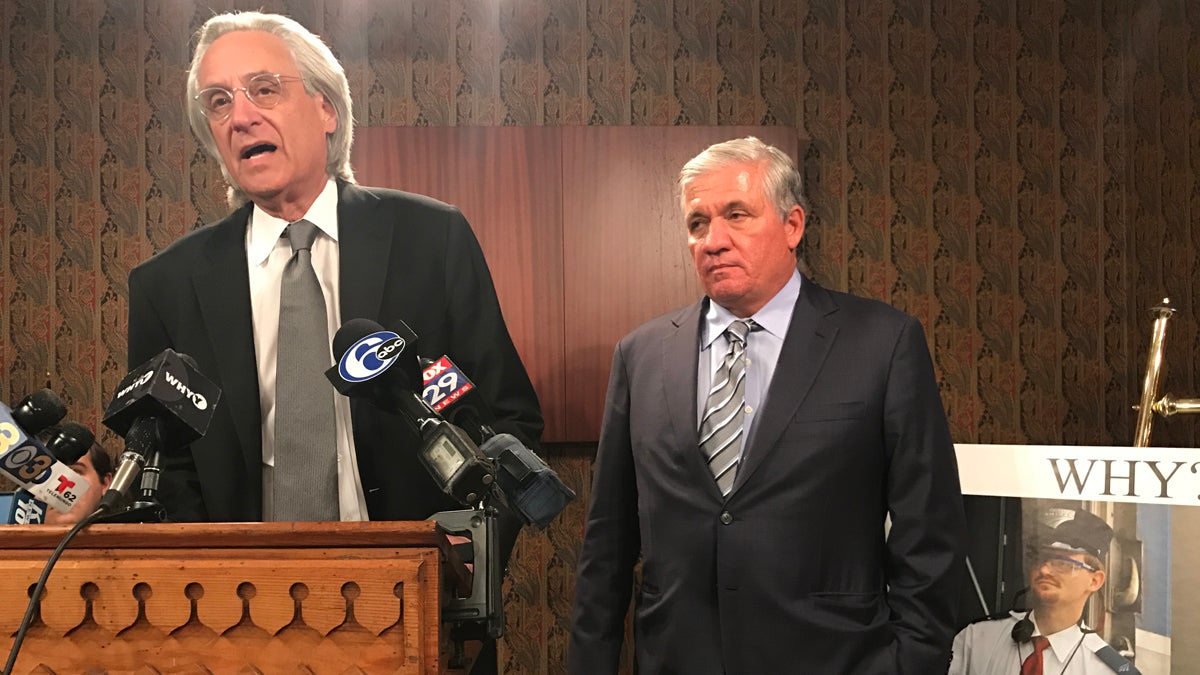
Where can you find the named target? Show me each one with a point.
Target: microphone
(379, 366)
(24, 458)
(69, 442)
(165, 403)
(150, 476)
(25, 509)
(531, 485)
(376, 365)
(39, 411)
(454, 396)
(36, 412)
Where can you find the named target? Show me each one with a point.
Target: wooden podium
(231, 598)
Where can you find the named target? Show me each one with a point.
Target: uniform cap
(1076, 531)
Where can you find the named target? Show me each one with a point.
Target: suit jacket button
(726, 518)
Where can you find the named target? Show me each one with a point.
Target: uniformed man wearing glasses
(1051, 638)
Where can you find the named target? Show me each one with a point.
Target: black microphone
(28, 462)
(152, 471)
(39, 411)
(164, 403)
(70, 442)
(380, 366)
(530, 484)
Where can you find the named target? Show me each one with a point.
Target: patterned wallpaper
(1021, 175)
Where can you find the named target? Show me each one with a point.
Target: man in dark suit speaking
(753, 445)
(256, 297)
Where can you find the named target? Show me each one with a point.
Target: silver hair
(781, 180)
(319, 68)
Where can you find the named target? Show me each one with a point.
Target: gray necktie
(721, 427)
(304, 480)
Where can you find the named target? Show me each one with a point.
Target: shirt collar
(1064, 641)
(265, 229)
(774, 317)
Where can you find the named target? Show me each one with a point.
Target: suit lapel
(809, 337)
(679, 349)
(680, 358)
(221, 283)
(364, 245)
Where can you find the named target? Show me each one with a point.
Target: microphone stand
(479, 616)
(146, 509)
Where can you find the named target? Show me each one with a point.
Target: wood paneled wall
(582, 229)
(508, 183)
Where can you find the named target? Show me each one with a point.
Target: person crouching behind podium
(1051, 638)
(96, 465)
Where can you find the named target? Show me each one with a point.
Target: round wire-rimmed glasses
(264, 90)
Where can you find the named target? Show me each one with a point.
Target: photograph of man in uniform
(1051, 638)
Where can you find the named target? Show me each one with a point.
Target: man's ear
(329, 115)
(794, 227)
(1097, 581)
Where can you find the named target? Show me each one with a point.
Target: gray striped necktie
(721, 427)
(304, 480)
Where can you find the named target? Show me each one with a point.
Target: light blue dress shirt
(762, 349)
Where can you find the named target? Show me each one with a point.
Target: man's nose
(717, 238)
(242, 111)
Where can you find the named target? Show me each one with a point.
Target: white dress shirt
(987, 648)
(267, 253)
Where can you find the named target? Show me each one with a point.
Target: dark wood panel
(582, 230)
(507, 181)
(624, 246)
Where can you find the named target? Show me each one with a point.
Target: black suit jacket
(403, 256)
(791, 572)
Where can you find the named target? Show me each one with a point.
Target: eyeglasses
(264, 91)
(1063, 565)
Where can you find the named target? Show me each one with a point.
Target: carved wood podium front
(230, 598)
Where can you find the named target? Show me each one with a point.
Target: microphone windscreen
(39, 410)
(71, 441)
(366, 351)
(167, 386)
(352, 331)
(187, 358)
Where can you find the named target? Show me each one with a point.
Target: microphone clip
(481, 614)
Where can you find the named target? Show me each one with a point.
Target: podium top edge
(373, 534)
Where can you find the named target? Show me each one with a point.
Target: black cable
(1077, 646)
(36, 596)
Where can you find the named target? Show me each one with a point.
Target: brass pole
(1162, 313)
(1170, 405)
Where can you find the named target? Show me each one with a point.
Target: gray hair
(781, 180)
(319, 68)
